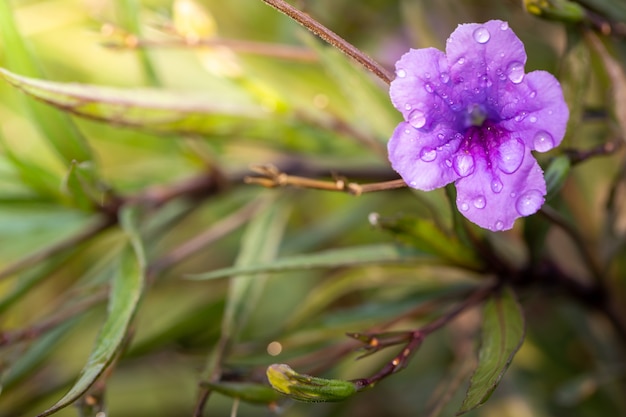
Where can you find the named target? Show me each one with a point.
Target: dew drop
(533, 94)
(543, 141)
(515, 72)
(408, 106)
(417, 119)
(461, 61)
(428, 154)
(521, 116)
(428, 87)
(401, 73)
(496, 185)
(511, 155)
(499, 225)
(481, 35)
(440, 136)
(464, 206)
(463, 164)
(533, 119)
(427, 75)
(444, 77)
(480, 202)
(448, 163)
(504, 26)
(529, 202)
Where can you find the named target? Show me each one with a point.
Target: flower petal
(536, 110)
(482, 57)
(421, 74)
(494, 199)
(423, 159)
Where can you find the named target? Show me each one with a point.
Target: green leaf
(308, 388)
(503, 334)
(125, 294)
(55, 126)
(259, 244)
(334, 258)
(153, 109)
(245, 391)
(556, 174)
(78, 184)
(426, 236)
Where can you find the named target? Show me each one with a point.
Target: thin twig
(272, 177)
(332, 38)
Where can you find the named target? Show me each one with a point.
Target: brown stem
(332, 38)
(417, 337)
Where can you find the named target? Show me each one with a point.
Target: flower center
(476, 115)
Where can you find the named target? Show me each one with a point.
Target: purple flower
(472, 116)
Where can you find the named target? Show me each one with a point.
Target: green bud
(245, 391)
(308, 388)
(562, 10)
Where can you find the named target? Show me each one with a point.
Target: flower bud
(308, 388)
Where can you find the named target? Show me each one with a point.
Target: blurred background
(177, 112)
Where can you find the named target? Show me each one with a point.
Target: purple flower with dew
(472, 116)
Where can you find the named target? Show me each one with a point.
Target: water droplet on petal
(464, 206)
(408, 106)
(543, 141)
(529, 202)
(444, 77)
(401, 73)
(515, 72)
(480, 202)
(463, 164)
(448, 163)
(511, 155)
(427, 75)
(533, 94)
(504, 26)
(499, 225)
(521, 116)
(440, 136)
(533, 119)
(513, 194)
(417, 119)
(496, 185)
(428, 87)
(428, 154)
(461, 61)
(481, 35)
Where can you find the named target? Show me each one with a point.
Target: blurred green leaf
(259, 245)
(308, 388)
(153, 109)
(56, 126)
(245, 391)
(556, 174)
(426, 236)
(78, 185)
(502, 335)
(562, 10)
(334, 258)
(611, 9)
(575, 75)
(125, 294)
(370, 102)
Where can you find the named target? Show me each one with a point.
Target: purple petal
(423, 159)
(482, 57)
(494, 199)
(536, 110)
(421, 76)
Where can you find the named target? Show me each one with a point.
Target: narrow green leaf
(55, 126)
(125, 294)
(334, 258)
(426, 236)
(153, 109)
(78, 185)
(259, 244)
(245, 391)
(503, 334)
(366, 98)
(556, 174)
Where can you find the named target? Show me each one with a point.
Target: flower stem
(332, 38)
